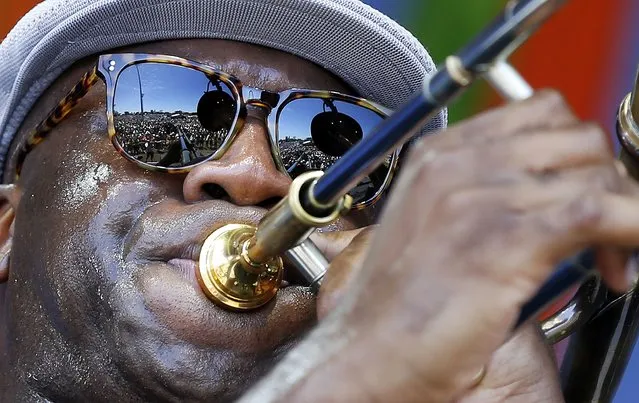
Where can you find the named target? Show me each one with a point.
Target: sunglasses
(170, 114)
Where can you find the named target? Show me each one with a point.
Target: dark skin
(110, 288)
(101, 303)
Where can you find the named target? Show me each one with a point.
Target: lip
(187, 268)
(162, 235)
(173, 230)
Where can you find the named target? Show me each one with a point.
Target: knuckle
(592, 128)
(594, 133)
(610, 179)
(555, 106)
(603, 178)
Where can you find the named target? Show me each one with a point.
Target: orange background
(11, 11)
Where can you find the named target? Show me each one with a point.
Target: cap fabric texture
(368, 50)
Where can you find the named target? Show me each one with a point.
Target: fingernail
(481, 374)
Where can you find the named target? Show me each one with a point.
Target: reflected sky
(164, 88)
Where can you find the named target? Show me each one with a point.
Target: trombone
(241, 266)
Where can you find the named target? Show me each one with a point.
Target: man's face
(102, 301)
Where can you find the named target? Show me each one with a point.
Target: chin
(168, 340)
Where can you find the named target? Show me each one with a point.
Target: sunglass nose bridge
(259, 105)
(256, 96)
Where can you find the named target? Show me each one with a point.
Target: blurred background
(586, 50)
(589, 51)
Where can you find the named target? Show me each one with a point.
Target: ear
(10, 196)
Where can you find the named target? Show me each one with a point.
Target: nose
(246, 171)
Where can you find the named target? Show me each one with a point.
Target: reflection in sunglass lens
(216, 108)
(314, 132)
(334, 133)
(171, 116)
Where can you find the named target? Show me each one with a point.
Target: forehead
(254, 65)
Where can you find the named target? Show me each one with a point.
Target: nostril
(216, 192)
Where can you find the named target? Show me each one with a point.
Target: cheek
(80, 200)
(78, 168)
(85, 188)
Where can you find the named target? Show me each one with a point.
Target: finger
(546, 109)
(630, 185)
(510, 160)
(553, 150)
(528, 194)
(590, 220)
(539, 153)
(596, 219)
(526, 351)
(553, 224)
(606, 177)
(333, 243)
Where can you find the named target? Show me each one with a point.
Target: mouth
(174, 233)
(188, 267)
(163, 249)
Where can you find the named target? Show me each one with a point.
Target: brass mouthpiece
(240, 267)
(223, 274)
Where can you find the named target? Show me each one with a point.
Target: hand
(479, 218)
(522, 370)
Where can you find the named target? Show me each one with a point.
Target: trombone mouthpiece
(225, 277)
(240, 267)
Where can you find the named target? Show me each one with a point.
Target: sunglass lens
(314, 132)
(171, 116)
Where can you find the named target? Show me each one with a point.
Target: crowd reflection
(178, 139)
(301, 155)
(166, 139)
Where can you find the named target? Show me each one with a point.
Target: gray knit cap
(369, 51)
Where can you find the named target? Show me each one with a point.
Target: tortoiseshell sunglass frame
(110, 66)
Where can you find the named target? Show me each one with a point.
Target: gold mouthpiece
(228, 279)
(240, 266)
